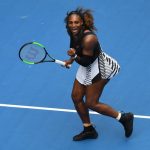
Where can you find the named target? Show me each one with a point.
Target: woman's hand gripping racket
(35, 53)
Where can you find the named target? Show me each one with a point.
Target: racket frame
(43, 60)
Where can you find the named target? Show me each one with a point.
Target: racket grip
(61, 62)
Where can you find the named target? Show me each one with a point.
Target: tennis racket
(35, 53)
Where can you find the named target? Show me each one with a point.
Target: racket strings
(33, 53)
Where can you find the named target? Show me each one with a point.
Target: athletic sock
(119, 116)
(87, 124)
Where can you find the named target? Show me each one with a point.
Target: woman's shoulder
(89, 37)
(88, 32)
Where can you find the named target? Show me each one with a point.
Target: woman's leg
(93, 93)
(78, 93)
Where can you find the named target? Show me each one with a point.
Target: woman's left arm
(88, 47)
(87, 58)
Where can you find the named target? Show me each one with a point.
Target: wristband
(74, 56)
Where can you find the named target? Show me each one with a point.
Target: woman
(95, 70)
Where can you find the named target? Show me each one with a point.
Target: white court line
(58, 109)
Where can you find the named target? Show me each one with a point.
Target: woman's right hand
(68, 62)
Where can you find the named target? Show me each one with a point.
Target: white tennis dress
(104, 66)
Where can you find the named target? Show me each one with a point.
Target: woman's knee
(97, 106)
(90, 104)
(76, 98)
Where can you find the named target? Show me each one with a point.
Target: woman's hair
(85, 15)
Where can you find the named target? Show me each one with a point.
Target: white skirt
(104, 66)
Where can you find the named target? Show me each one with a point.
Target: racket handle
(61, 62)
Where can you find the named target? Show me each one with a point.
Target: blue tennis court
(36, 109)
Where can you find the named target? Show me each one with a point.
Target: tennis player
(95, 70)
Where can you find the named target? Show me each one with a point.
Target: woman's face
(75, 24)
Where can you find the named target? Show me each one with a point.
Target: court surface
(36, 111)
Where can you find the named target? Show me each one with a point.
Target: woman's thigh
(78, 91)
(94, 91)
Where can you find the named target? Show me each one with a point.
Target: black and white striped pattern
(108, 66)
(88, 79)
(105, 66)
